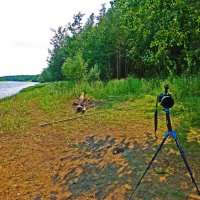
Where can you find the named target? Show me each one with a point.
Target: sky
(25, 30)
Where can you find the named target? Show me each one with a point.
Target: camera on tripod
(165, 99)
(167, 102)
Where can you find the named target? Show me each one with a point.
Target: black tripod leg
(187, 165)
(149, 165)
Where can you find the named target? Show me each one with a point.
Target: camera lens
(167, 102)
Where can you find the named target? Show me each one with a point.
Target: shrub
(93, 75)
(75, 68)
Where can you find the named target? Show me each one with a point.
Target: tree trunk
(117, 66)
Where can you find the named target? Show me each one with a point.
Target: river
(9, 88)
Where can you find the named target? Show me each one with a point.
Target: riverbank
(75, 159)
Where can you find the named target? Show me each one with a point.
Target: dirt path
(91, 159)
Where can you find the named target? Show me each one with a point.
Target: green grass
(53, 101)
(49, 98)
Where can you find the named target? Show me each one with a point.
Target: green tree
(45, 76)
(57, 55)
(104, 45)
(163, 35)
(76, 26)
(94, 74)
(144, 38)
(75, 69)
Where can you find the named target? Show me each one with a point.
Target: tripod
(170, 132)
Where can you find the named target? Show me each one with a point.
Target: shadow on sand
(108, 168)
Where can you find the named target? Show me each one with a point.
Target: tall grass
(49, 97)
(186, 92)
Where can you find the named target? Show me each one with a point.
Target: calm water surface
(9, 88)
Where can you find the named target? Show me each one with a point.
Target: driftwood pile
(83, 103)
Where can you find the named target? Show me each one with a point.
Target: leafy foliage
(93, 75)
(141, 38)
(74, 68)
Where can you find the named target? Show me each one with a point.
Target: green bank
(126, 107)
(49, 98)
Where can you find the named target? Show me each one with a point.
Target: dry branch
(80, 102)
(82, 116)
(85, 103)
(69, 119)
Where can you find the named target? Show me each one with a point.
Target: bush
(75, 68)
(93, 75)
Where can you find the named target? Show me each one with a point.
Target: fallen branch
(80, 103)
(69, 119)
(82, 116)
(85, 103)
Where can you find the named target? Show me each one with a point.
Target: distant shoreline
(21, 78)
(21, 81)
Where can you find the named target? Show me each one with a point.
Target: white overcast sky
(25, 30)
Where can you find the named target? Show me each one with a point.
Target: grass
(49, 97)
(135, 100)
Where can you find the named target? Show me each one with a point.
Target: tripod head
(165, 99)
(166, 102)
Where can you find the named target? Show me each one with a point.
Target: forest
(146, 38)
(32, 78)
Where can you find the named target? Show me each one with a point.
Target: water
(9, 88)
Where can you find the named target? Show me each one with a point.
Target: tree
(163, 35)
(75, 68)
(94, 74)
(134, 37)
(45, 76)
(76, 26)
(58, 54)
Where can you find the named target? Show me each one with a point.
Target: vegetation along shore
(75, 159)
